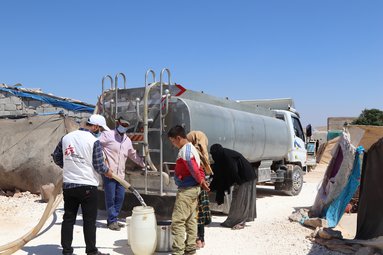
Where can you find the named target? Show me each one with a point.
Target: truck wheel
(297, 181)
(294, 183)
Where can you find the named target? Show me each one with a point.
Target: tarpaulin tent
(26, 145)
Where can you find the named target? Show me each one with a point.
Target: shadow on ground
(43, 249)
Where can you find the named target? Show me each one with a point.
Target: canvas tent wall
(369, 232)
(364, 135)
(370, 210)
(26, 145)
(336, 177)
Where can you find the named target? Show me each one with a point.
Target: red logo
(69, 150)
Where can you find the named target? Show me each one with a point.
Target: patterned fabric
(204, 214)
(98, 159)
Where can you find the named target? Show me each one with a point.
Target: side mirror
(309, 130)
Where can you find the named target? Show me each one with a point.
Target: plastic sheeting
(25, 151)
(336, 176)
(337, 207)
(76, 107)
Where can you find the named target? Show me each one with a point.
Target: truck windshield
(298, 130)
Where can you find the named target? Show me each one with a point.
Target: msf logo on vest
(69, 150)
(71, 154)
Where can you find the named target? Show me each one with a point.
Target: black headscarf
(229, 167)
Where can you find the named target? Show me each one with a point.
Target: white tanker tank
(255, 136)
(272, 140)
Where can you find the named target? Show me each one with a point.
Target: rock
(315, 222)
(47, 192)
(328, 233)
(17, 194)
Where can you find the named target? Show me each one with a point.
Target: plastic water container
(128, 220)
(142, 231)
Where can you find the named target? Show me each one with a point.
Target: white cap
(97, 119)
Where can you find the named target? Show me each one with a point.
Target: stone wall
(11, 105)
(337, 123)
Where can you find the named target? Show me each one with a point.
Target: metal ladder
(102, 101)
(115, 88)
(160, 129)
(116, 91)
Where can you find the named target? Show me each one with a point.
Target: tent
(339, 183)
(26, 145)
(336, 190)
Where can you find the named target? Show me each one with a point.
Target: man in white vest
(80, 155)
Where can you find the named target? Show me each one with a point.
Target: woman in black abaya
(231, 168)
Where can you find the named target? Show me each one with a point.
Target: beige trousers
(184, 221)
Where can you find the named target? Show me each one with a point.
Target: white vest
(78, 158)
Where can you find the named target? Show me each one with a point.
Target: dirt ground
(271, 233)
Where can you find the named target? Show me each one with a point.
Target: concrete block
(3, 113)
(16, 100)
(50, 109)
(30, 111)
(45, 105)
(10, 107)
(1, 107)
(5, 100)
(16, 112)
(34, 103)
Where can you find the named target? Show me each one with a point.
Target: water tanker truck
(268, 133)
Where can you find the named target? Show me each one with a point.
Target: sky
(327, 55)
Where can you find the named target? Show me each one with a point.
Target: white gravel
(271, 233)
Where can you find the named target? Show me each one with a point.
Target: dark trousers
(201, 232)
(85, 196)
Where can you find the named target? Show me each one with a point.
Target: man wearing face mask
(80, 155)
(117, 148)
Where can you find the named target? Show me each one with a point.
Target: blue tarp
(52, 101)
(337, 207)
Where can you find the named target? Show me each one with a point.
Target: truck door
(299, 141)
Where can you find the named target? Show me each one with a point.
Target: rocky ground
(270, 233)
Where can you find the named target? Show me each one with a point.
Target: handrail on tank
(146, 124)
(116, 87)
(167, 93)
(103, 89)
(153, 76)
(146, 142)
(162, 118)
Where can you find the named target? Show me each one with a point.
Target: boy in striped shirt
(190, 178)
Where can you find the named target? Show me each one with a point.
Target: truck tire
(293, 184)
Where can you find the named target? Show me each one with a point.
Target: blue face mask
(97, 135)
(121, 129)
